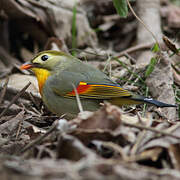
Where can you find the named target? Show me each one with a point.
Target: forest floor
(131, 142)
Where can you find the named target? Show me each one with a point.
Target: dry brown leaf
(108, 117)
(105, 125)
(171, 45)
(87, 135)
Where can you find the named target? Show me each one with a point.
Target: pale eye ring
(44, 57)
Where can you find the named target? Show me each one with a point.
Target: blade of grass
(129, 81)
(151, 67)
(131, 72)
(145, 105)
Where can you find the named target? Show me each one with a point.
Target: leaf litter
(111, 143)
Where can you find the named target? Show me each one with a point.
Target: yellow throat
(42, 75)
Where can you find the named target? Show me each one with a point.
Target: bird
(61, 77)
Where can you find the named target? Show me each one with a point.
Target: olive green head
(46, 60)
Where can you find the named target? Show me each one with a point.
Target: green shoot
(145, 105)
(74, 30)
(155, 48)
(151, 67)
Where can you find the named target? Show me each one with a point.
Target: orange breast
(42, 75)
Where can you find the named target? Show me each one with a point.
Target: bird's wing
(98, 91)
(88, 83)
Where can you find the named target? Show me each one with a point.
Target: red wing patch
(81, 89)
(99, 91)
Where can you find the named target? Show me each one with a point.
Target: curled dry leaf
(87, 135)
(108, 117)
(104, 124)
(171, 45)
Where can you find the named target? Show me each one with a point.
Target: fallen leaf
(108, 117)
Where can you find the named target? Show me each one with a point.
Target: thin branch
(36, 104)
(145, 26)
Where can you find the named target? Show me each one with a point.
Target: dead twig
(14, 99)
(19, 127)
(151, 129)
(134, 48)
(39, 139)
(140, 136)
(36, 104)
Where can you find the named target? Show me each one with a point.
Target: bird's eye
(44, 57)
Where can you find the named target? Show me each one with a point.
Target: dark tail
(155, 102)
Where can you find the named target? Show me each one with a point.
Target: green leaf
(151, 67)
(121, 7)
(155, 48)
